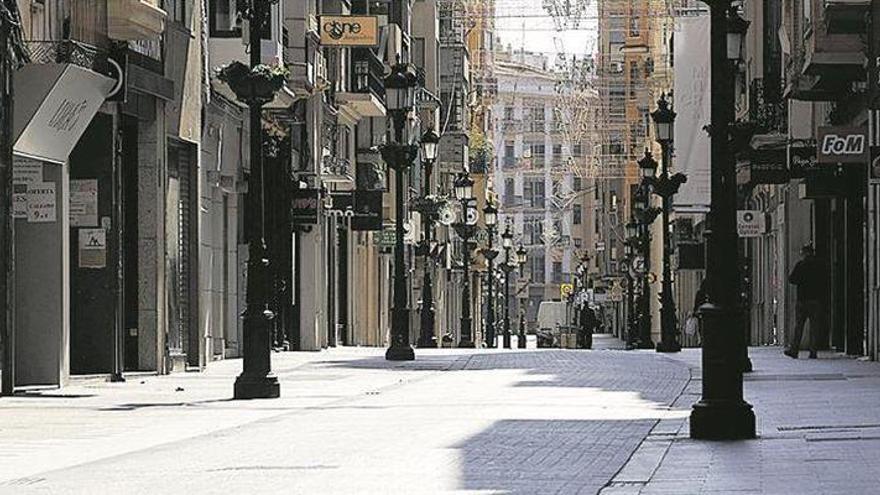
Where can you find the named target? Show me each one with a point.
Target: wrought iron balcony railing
(67, 52)
(767, 109)
(368, 72)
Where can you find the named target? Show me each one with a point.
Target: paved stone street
(536, 421)
(486, 421)
(818, 425)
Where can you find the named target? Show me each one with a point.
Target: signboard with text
(349, 30)
(749, 223)
(304, 204)
(842, 145)
(367, 211)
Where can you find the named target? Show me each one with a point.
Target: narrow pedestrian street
(454, 420)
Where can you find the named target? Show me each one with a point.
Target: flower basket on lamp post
(257, 84)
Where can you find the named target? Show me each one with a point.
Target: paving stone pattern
(818, 425)
(488, 421)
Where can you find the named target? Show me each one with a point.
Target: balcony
(308, 78)
(132, 20)
(367, 91)
(335, 169)
(835, 60)
(846, 16)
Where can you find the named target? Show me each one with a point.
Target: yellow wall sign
(565, 290)
(349, 30)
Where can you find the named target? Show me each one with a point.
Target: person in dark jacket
(588, 325)
(808, 276)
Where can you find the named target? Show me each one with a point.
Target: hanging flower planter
(253, 85)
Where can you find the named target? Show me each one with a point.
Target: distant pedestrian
(808, 276)
(587, 325)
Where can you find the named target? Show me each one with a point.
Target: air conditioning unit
(616, 67)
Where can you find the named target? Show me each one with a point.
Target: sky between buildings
(525, 24)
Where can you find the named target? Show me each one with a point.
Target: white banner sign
(692, 104)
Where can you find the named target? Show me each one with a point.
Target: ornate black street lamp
(466, 228)
(399, 155)
(428, 209)
(490, 216)
(507, 267)
(665, 186)
(628, 270)
(521, 262)
(721, 413)
(252, 87)
(645, 216)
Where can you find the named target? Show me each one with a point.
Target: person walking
(808, 276)
(588, 325)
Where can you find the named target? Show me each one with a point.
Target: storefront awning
(54, 104)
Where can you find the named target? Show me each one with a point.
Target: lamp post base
(722, 420)
(521, 342)
(400, 354)
(644, 344)
(665, 347)
(248, 386)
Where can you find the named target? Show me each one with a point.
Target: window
(533, 193)
(557, 152)
(536, 119)
(533, 230)
(578, 242)
(577, 184)
(538, 151)
(418, 52)
(509, 157)
(537, 267)
(576, 214)
(509, 192)
(634, 26)
(224, 20)
(577, 150)
(557, 272)
(176, 10)
(508, 113)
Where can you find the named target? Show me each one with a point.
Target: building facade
(540, 188)
(141, 243)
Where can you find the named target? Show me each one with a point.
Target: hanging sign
(349, 30)
(367, 211)
(304, 204)
(749, 223)
(842, 145)
(384, 238)
(565, 290)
